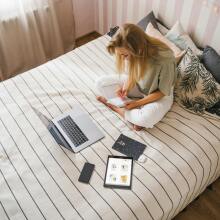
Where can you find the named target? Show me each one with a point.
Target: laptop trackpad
(88, 127)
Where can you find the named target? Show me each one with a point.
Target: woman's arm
(147, 99)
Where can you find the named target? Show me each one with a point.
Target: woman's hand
(147, 99)
(121, 92)
(131, 105)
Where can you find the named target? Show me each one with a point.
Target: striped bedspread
(39, 179)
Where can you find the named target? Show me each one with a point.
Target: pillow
(211, 61)
(195, 88)
(163, 30)
(178, 36)
(146, 20)
(215, 109)
(151, 31)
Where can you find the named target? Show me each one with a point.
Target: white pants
(147, 115)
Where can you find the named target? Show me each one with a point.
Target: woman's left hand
(131, 105)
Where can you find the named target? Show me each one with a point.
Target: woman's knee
(137, 118)
(105, 81)
(99, 82)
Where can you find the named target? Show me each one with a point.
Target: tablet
(119, 172)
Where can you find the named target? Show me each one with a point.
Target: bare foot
(103, 100)
(120, 111)
(137, 128)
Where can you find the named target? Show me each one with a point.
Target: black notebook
(129, 147)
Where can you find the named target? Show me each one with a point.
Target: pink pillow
(151, 31)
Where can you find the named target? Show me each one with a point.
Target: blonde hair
(141, 46)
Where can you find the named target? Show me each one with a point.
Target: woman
(151, 73)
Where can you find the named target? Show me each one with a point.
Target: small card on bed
(129, 147)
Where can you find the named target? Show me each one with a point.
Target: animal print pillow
(195, 88)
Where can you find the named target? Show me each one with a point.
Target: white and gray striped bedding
(39, 179)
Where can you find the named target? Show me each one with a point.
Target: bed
(39, 178)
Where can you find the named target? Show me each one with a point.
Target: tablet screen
(119, 172)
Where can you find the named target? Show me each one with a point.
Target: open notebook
(110, 94)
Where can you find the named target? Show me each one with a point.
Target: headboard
(200, 18)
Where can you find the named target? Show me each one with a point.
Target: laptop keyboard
(72, 130)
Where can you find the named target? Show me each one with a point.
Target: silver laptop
(74, 129)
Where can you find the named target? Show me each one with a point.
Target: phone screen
(86, 172)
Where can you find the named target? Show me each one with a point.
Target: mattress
(39, 178)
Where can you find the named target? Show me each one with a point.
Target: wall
(84, 13)
(198, 17)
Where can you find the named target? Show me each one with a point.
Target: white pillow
(153, 32)
(163, 30)
(179, 37)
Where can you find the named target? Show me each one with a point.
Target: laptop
(74, 129)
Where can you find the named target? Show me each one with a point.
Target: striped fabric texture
(39, 178)
(198, 17)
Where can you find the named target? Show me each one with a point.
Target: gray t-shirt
(160, 75)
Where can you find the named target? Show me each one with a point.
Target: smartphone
(86, 173)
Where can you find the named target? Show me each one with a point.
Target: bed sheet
(39, 178)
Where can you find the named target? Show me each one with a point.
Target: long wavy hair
(142, 48)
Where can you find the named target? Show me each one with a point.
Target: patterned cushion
(214, 109)
(196, 89)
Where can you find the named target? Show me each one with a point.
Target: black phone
(112, 31)
(86, 172)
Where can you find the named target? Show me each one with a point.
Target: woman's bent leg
(150, 114)
(107, 85)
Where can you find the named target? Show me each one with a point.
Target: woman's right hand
(121, 92)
